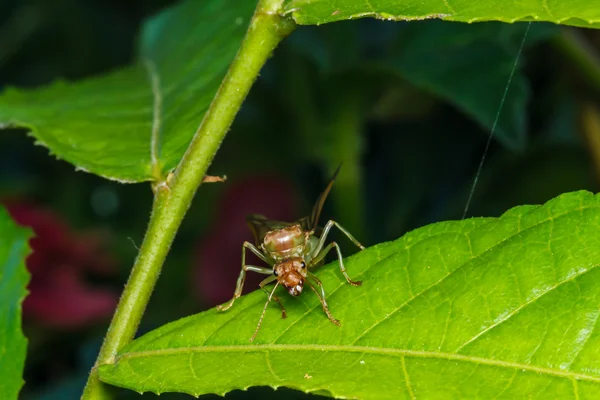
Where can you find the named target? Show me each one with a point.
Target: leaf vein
(459, 267)
(192, 365)
(368, 3)
(508, 385)
(365, 349)
(449, 7)
(270, 367)
(154, 78)
(546, 8)
(586, 340)
(534, 352)
(230, 320)
(407, 379)
(518, 309)
(447, 323)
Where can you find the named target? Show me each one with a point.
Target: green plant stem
(572, 44)
(173, 197)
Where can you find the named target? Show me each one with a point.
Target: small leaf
(13, 280)
(576, 12)
(135, 124)
(477, 308)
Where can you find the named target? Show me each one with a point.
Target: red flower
(219, 255)
(59, 295)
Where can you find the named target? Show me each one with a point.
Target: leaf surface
(484, 307)
(13, 280)
(135, 124)
(576, 12)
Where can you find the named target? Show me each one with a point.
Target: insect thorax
(286, 242)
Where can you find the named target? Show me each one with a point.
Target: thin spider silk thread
(495, 124)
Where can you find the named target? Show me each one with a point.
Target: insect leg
(263, 312)
(240, 282)
(256, 251)
(324, 252)
(326, 230)
(321, 297)
(262, 285)
(318, 282)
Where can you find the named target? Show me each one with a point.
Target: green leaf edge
(20, 239)
(295, 9)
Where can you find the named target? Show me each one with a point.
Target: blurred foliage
(13, 281)
(352, 91)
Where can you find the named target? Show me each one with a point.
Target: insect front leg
(321, 255)
(240, 282)
(262, 286)
(263, 312)
(326, 230)
(321, 297)
(319, 252)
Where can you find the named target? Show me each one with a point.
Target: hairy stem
(173, 196)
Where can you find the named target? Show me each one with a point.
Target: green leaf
(135, 124)
(576, 12)
(477, 308)
(472, 67)
(13, 280)
(469, 66)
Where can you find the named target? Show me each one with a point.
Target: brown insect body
(287, 247)
(291, 248)
(291, 273)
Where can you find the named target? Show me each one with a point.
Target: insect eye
(303, 264)
(274, 272)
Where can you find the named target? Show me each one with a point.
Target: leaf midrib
(358, 349)
(157, 96)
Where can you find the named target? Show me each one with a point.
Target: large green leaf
(472, 67)
(135, 124)
(583, 13)
(478, 308)
(13, 280)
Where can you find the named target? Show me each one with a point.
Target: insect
(291, 249)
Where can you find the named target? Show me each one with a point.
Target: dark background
(409, 156)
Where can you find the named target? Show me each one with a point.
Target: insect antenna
(263, 312)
